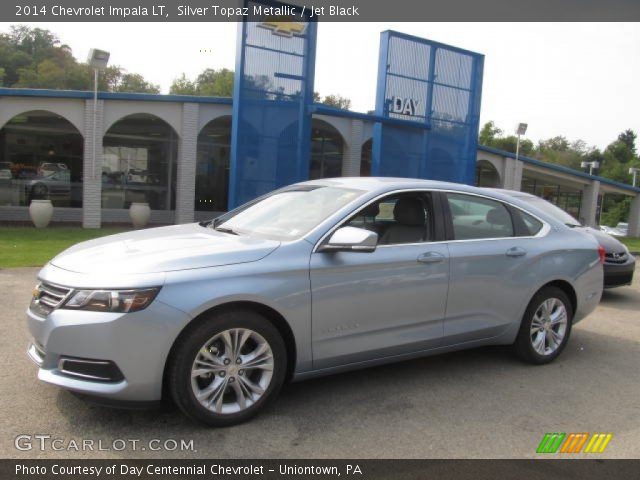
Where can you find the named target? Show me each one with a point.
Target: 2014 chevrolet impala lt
(311, 279)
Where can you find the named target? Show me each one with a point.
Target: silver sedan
(311, 279)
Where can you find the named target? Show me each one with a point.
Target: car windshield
(288, 214)
(551, 210)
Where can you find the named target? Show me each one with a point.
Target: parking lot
(480, 403)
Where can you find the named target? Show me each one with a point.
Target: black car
(619, 264)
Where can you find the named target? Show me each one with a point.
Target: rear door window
(476, 217)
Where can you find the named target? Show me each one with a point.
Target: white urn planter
(140, 214)
(41, 212)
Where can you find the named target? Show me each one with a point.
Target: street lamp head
(592, 165)
(98, 58)
(521, 129)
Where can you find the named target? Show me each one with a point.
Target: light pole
(520, 130)
(634, 171)
(590, 165)
(98, 59)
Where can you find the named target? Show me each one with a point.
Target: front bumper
(618, 275)
(138, 343)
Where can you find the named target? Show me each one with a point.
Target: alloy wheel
(549, 326)
(232, 371)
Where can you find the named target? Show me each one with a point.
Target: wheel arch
(567, 288)
(275, 317)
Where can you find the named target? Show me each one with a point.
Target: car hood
(163, 249)
(610, 244)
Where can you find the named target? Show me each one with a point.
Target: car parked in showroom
(6, 171)
(619, 264)
(311, 279)
(54, 186)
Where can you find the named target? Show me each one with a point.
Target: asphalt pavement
(482, 403)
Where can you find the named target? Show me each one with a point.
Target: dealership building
(191, 158)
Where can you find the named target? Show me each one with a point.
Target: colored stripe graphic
(550, 442)
(598, 442)
(574, 443)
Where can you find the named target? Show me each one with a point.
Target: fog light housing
(89, 369)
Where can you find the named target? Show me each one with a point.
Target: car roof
(376, 184)
(512, 193)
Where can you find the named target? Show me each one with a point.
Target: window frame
(519, 229)
(444, 224)
(439, 233)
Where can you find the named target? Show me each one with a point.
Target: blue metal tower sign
(271, 126)
(436, 90)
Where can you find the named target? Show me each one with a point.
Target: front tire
(227, 367)
(545, 328)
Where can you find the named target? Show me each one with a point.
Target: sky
(580, 80)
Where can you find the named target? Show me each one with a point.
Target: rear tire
(227, 367)
(545, 327)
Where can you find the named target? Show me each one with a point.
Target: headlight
(121, 301)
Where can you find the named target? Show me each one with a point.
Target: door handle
(431, 257)
(516, 252)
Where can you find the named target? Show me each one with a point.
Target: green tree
(489, 133)
(629, 137)
(615, 210)
(492, 136)
(34, 58)
(337, 101)
(211, 82)
(135, 83)
(183, 86)
(215, 83)
(219, 83)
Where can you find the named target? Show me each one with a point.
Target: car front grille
(615, 257)
(47, 297)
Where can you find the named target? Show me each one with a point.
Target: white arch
(341, 124)
(497, 169)
(116, 110)
(210, 112)
(71, 110)
(496, 163)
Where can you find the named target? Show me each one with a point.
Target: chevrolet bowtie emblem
(285, 29)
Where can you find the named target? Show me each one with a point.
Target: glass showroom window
(212, 170)
(567, 198)
(326, 151)
(40, 158)
(487, 175)
(140, 156)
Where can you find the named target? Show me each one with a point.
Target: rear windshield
(551, 210)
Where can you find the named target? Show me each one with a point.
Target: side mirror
(351, 239)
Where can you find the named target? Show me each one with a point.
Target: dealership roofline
(560, 168)
(316, 108)
(153, 97)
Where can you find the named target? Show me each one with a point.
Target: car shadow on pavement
(623, 298)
